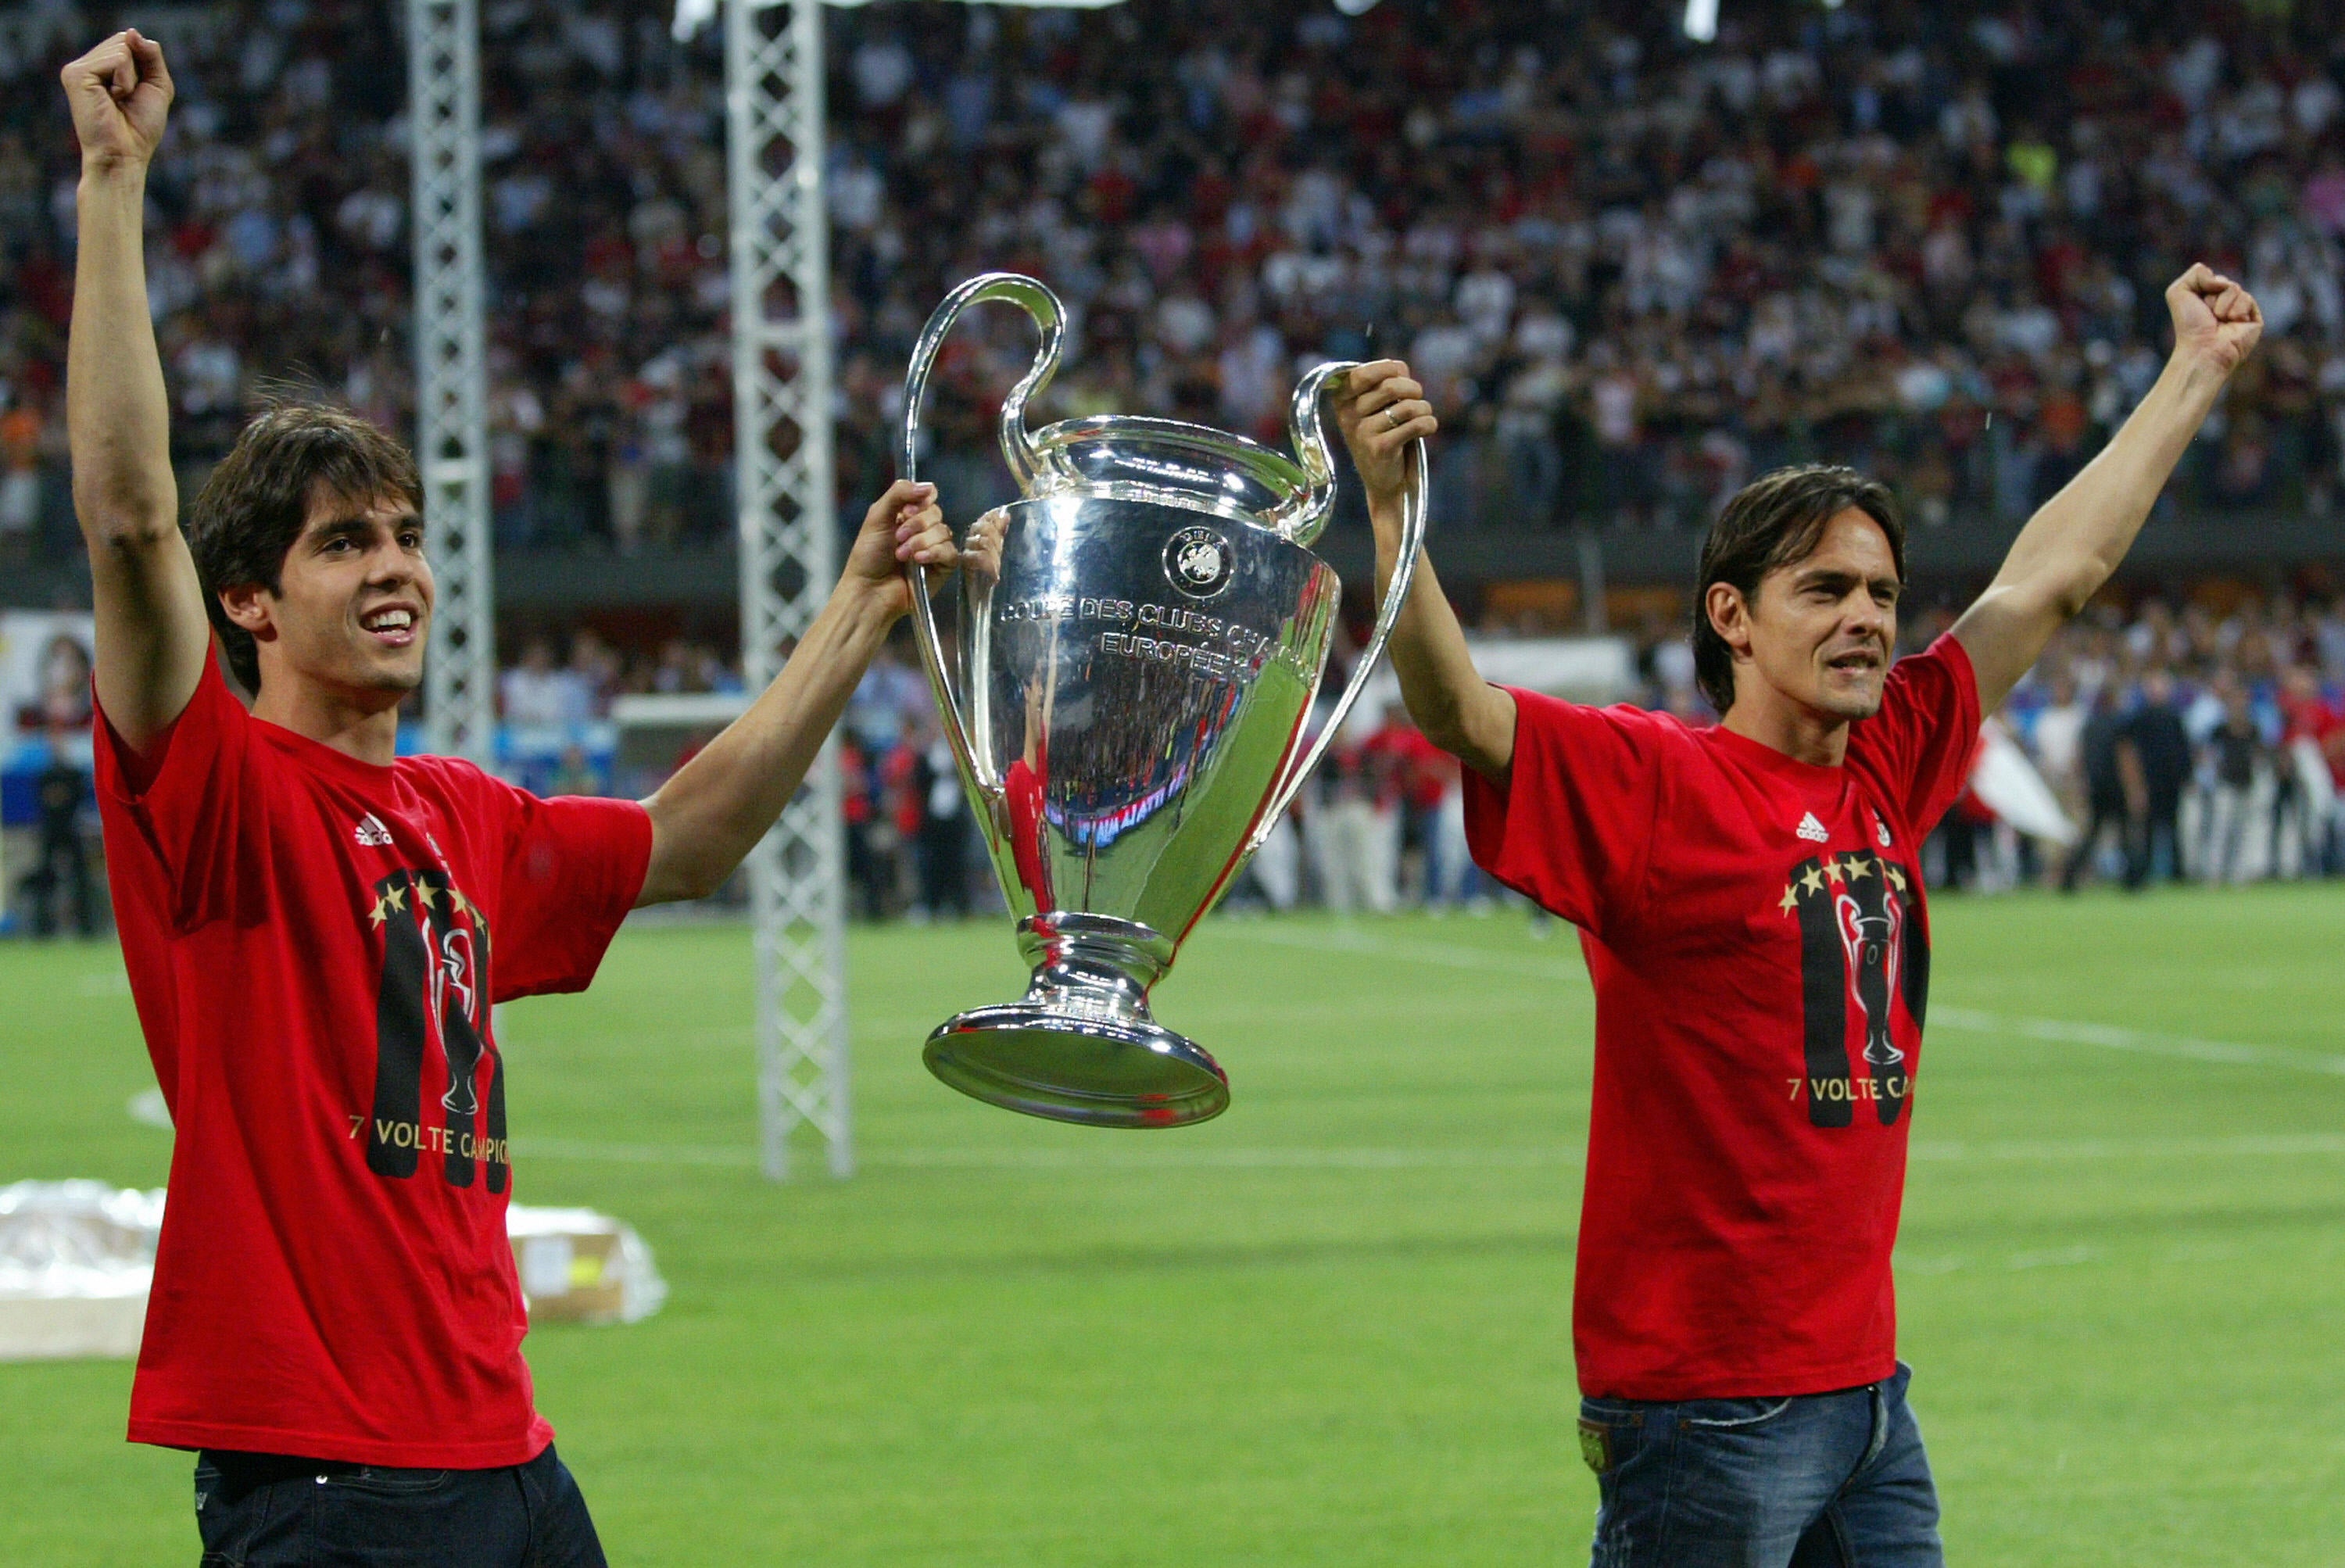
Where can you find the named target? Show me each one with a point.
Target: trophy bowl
(1141, 641)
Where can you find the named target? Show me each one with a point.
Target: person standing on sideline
(866, 895)
(61, 868)
(2236, 756)
(2056, 739)
(1752, 915)
(2163, 747)
(316, 932)
(2312, 748)
(943, 842)
(2113, 791)
(1349, 834)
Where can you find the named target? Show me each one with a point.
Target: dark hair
(1777, 520)
(253, 504)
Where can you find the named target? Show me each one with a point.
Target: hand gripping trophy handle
(1311, 444)
(1017, 450)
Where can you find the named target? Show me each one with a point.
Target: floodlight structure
(444, 86)
(788, 550)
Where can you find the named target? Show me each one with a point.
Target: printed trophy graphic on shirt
(1125, 697)
(1860, 942)
(1870, 939)
(435, 986)
(462, 1046)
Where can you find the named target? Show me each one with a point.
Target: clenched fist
(120, 93)
(2214, 320)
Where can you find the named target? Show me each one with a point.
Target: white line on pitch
(1450, 954)
(1074, 1159)
(2246, 1145)
(2059, 1031)
(2254, 1145)
(633, 1154)
(1233, 1159)
(2114, 1037)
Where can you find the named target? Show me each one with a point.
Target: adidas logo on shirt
(372, 833)
(1814, 832)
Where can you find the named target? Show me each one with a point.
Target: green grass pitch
(1333, 1327)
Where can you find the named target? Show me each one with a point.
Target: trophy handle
(1312, 509)
(1412, 546)
(1030, 295)
(1036, 300)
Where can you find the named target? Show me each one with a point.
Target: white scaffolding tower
(788, 548)
(443, 88)
(789, 544)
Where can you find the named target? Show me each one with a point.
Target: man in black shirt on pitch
(62, 865)
(2112, 788)
(2156, 733)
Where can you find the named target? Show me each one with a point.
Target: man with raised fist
(316, 931)
(1750, 904)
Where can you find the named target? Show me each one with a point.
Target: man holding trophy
(336, 1322)
(1753, 920)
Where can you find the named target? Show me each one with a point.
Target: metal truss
(444, 84)
(789, 544)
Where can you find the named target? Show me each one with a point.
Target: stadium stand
(1636, 270)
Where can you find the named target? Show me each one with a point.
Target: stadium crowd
(1635, 270)
(2205, 741)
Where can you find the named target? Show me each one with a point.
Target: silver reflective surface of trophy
(1126, 698)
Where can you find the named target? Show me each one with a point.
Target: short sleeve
(1921, 745)
(1571, 828)
(572, 869)
(190, 804)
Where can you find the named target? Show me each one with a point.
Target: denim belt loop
(1880, 1393)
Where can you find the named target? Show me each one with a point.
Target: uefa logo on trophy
(1126, 697)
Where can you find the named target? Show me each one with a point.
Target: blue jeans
(269, 1511)
(1821, 1481)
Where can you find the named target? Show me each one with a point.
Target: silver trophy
(1126, 700)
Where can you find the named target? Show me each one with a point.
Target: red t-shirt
(1754, 926)
(2318, 720)
(309, 939)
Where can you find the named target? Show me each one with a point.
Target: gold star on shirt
(396, 898)
(1858, 868)
(429, 894)
(1895, 874)
(377, 914)
(1814, 882)
(1833, 874)
(1791, 897)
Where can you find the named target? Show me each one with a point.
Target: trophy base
(1025, 1056)
(1080, 1046)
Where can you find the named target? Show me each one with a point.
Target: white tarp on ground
(76, 1259)
(582, 1266)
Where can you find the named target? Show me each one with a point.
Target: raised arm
(2071, 546)
(1381, 411)
(709, 816)
(152, 637)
